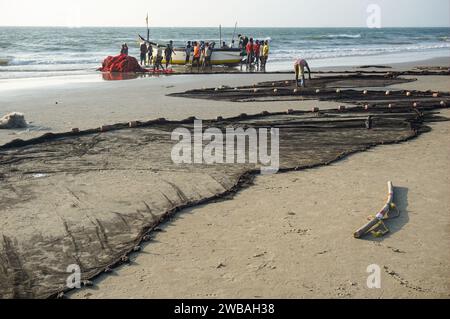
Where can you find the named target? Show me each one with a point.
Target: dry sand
(290, 235)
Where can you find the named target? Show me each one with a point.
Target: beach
(287, 235)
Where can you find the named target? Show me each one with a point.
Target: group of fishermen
(162, 52)
(255, 52)
(201, 53)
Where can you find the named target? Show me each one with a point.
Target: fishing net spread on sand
(278, 91)
(89, 198)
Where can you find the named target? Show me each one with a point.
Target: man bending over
(299, 67)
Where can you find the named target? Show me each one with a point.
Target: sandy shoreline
(269, 241)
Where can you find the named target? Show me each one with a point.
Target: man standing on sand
(149, 53)
(144, 51)
(188, 50)
(265, 55)
(168, 53)
(243, 41)
(299, 68)
(196, 58)
(250, 52)
(256, 52)
(207, 57)
(158, 59)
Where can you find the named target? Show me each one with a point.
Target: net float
(255, 90)
(133, 124)
(295, 90)
(388, 92)
(365, 92)
(338, 91)
(408, 93)
(290, 111)
(443, 103)
(105, 128)
(341, 108)
(436, 94)
(275, 90)
(317, 91)
(315, 109)
(367, 107)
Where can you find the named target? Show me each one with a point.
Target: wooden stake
(380, 216)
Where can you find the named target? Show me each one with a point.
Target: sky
(209, 13)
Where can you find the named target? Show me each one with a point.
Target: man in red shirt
(250, 52)
(256, 52)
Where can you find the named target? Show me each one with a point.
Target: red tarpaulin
(121, 63)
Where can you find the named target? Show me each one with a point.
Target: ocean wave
(334, 36)
(62, 60)
(344, 36)
(333, 52)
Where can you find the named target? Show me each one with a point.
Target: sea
(27, 52)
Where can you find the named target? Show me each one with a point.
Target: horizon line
(231, 27)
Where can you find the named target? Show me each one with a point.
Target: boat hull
(219, 57)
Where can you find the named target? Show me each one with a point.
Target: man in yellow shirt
(265, 55)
